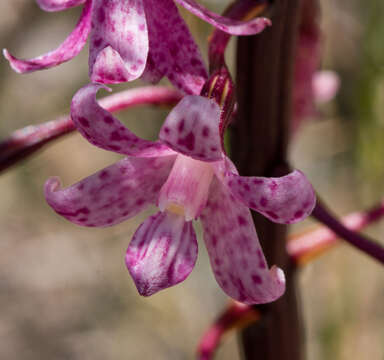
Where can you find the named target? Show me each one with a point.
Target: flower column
(259, 147)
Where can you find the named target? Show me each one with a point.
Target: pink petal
(233, 27)
(286, 200)
(119, 41)
(65, 52)
(100, 128)
(173, 50)
(112, 195)
(151, 72)
(234, 250)
(192, 128)
(162, 253)
(57, 5)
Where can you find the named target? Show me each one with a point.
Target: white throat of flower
(186, 190)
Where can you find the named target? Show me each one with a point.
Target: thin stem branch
(26, 141)
(363, 243)
(236, 315)
(306, 246)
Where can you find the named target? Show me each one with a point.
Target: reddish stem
(26, 141)
(370, 247)
(304, 247)
(235, 315)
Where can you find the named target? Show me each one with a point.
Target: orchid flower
(188, 176)
(134, 38)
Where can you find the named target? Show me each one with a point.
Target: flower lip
(186, 190)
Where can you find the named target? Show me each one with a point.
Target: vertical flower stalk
(259, 141)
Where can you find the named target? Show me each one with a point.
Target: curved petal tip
(52, 184)
(162, 253)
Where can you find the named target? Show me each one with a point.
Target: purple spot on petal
(241, 220)
(257, 279)
(298, 214)
(214, 240)
(262, 265)
(258, 181)
(108, 119)
(180, 127)
(272, 215)
(188, 141)
(263, 202)
(101, 15)
(83, 121)
(205, 131)
(273, 186)
(140, 202)
(218, 262)
(97, 42)
(115, 136)
(104, 174)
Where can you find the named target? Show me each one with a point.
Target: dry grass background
(64, 290)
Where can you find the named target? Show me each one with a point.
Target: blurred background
(64, 290)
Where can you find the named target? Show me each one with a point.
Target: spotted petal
(192, 128)
(162, 253)
(119, 41)
(286, 200)
(112, 195)
(58, 5)
(233, 27)
(234, 250)
(65, 52)
(100, 128)
(173, 51)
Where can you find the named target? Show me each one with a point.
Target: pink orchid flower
(188, 176)
(134, 38)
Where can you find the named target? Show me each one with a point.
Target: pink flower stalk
(188, 176)
(310, 85)
(136, 38)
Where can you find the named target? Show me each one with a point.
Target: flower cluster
(186, 172)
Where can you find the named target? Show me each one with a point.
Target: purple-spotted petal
(151, 72)
(287, 199)
(162, 253)
(174, 53)
(65, 52)
(192, 128)
(100, 128)
(233, 27)
(112, 195)
(58, 5)
(119, 41)
(234, 250)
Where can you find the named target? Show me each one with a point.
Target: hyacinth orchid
(188, 176)
(134, 38)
